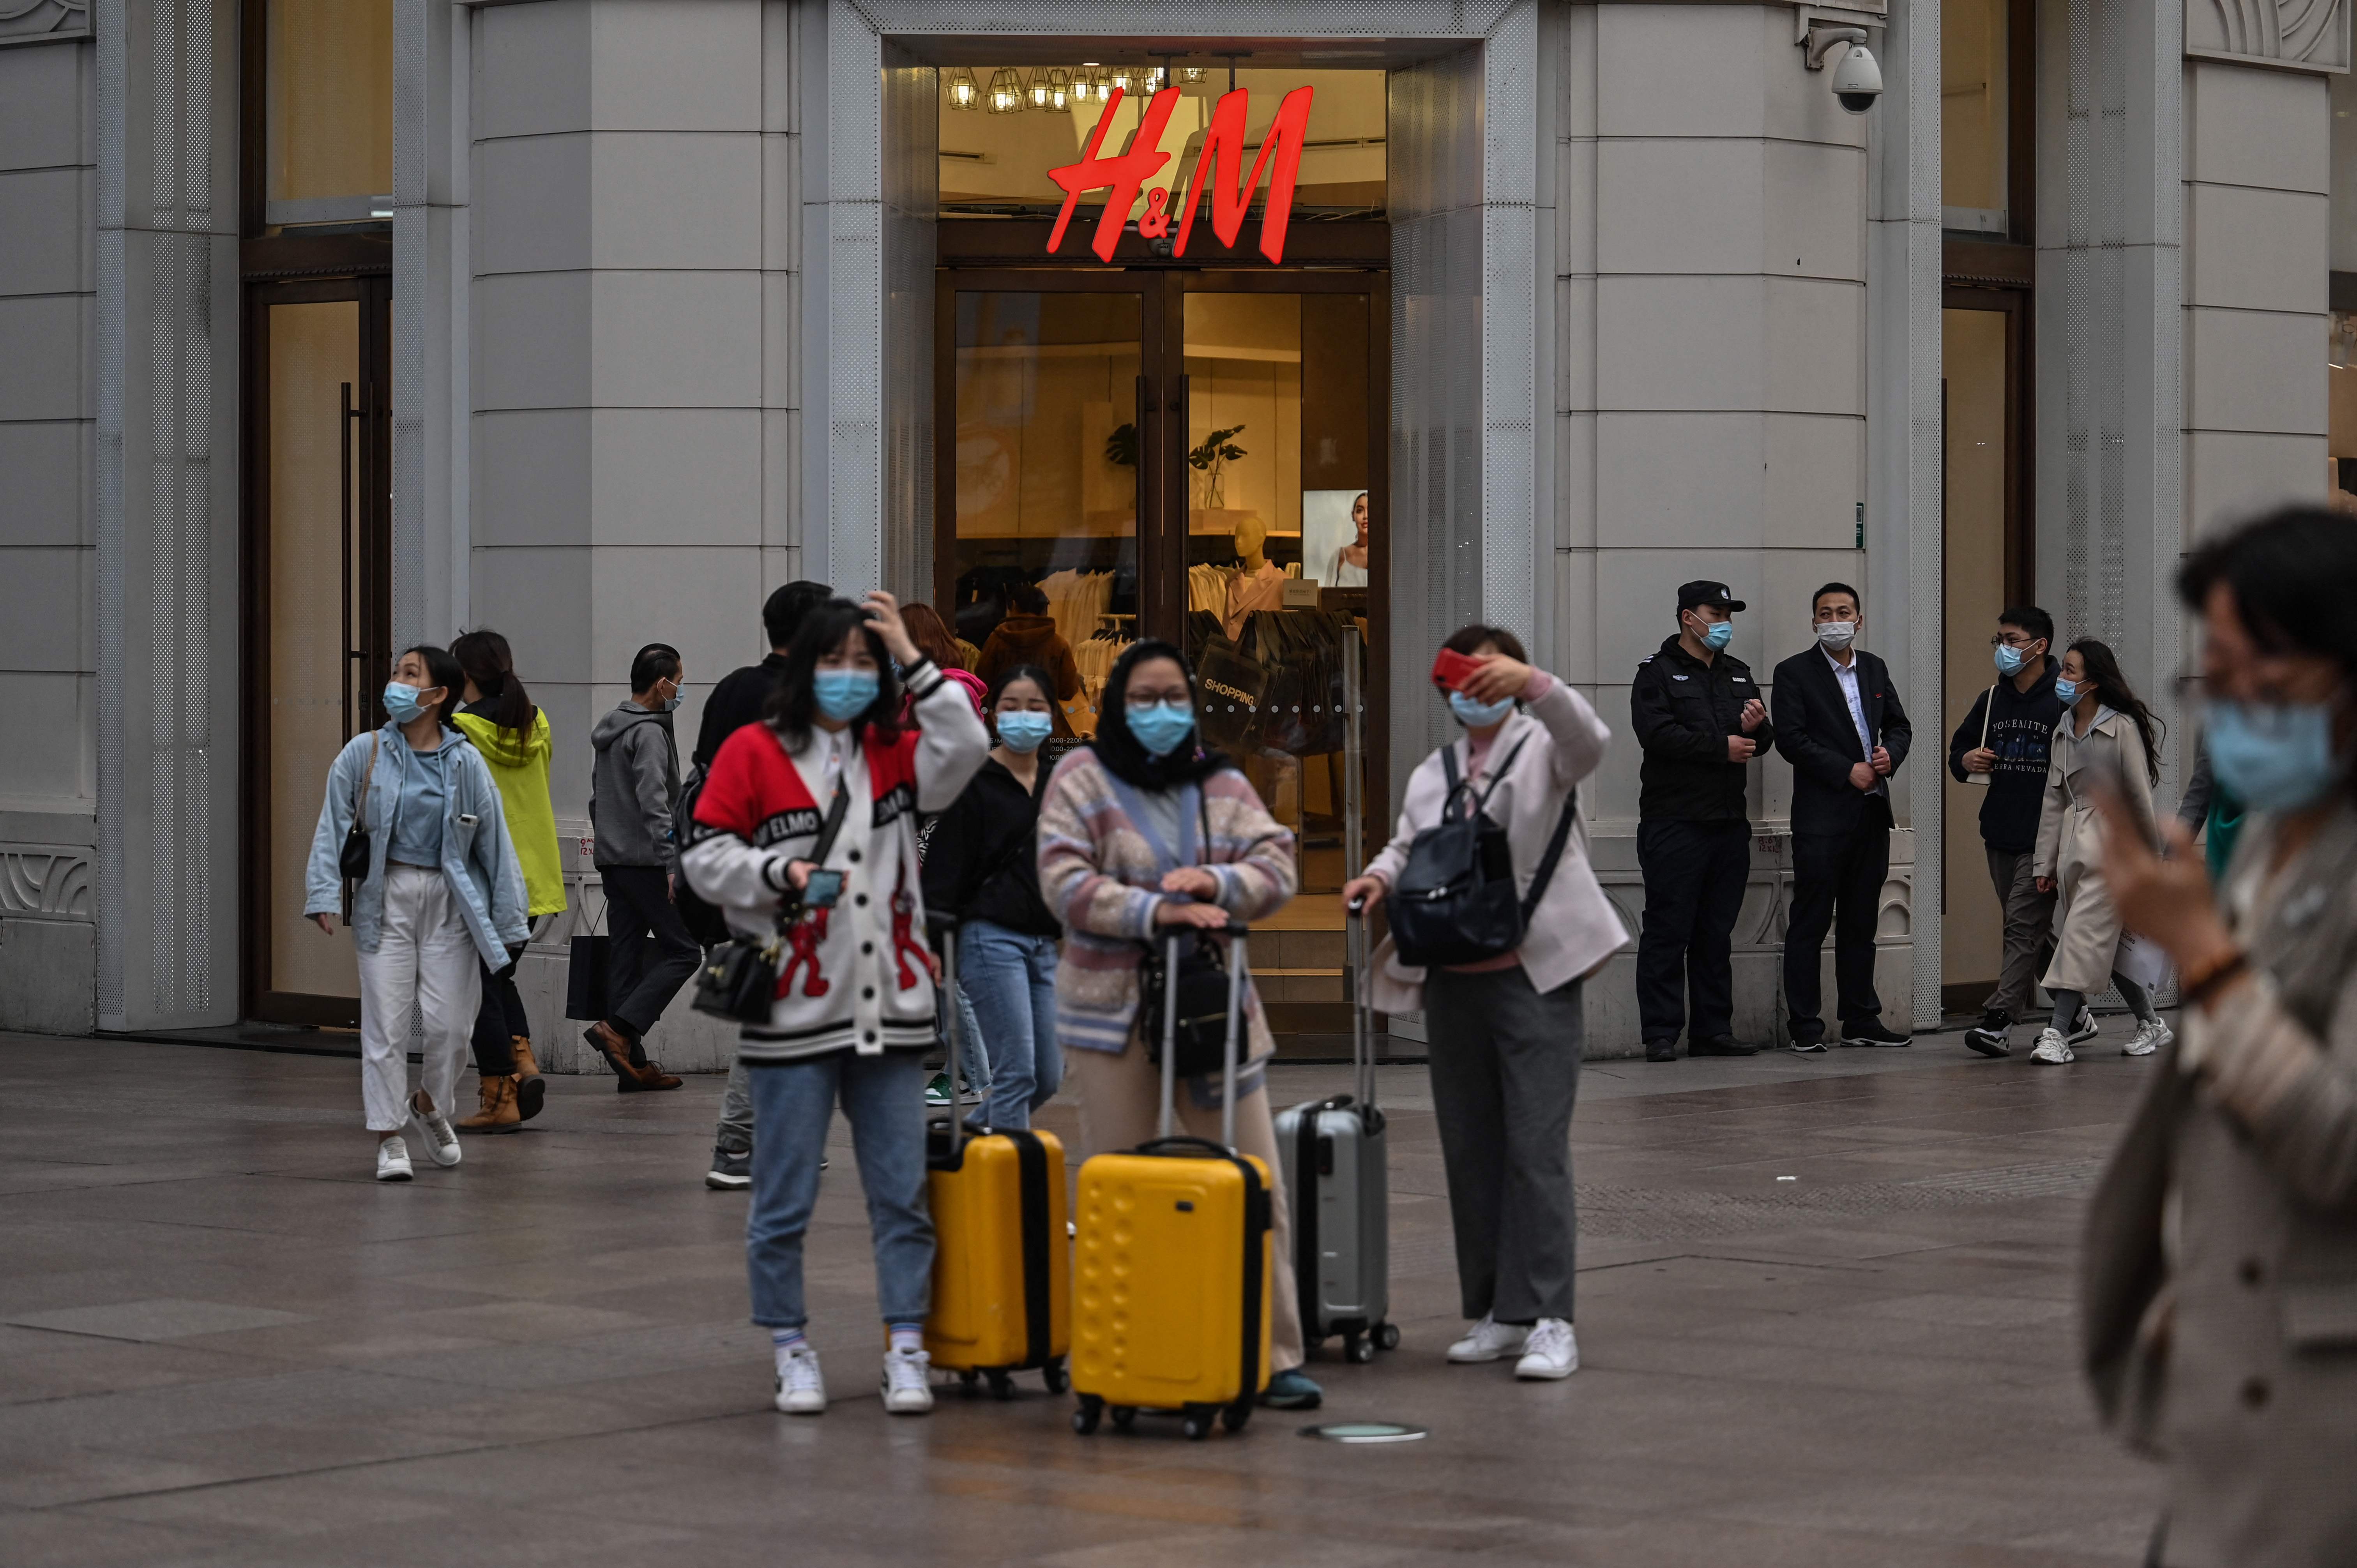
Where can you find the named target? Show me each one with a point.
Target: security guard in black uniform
(1700, 719)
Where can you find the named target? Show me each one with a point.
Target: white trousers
(425, 959)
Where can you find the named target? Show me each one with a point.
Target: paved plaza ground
(222, 1343)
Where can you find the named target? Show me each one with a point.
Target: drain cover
(1366, 1432)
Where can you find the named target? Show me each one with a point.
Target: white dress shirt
(1846, 677)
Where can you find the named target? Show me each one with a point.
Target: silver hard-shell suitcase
(1336, 1182)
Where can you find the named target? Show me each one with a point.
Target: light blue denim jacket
(476, 856)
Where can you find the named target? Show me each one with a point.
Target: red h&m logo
(1224, 150)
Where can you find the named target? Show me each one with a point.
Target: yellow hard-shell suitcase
(1002, 1252)
(1171, 1281)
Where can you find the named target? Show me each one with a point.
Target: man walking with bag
(633, 789)
(2003, 744)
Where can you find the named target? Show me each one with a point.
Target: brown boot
(499, 1108)
(628, 1077)
(530, 1090)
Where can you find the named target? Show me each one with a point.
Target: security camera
(1858, 80)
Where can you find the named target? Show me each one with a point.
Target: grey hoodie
(632, 786)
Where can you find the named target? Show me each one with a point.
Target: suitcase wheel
(1124, 1416)
(1387, 1336)
(1084, 1419)
(1055, 1375)
(1358, 1347)
(967, 1379)
(1236, 1414)
(1197, 1426)
(1002, 1386)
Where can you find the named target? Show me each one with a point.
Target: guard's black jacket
(1683, 710)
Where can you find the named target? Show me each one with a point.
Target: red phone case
(1450, 668)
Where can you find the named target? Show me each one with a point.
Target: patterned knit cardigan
(1100, 875)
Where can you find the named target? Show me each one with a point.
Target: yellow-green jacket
(520, 767)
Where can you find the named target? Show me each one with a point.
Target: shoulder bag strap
(1545, 872)
(359, 795)
(1988, 708)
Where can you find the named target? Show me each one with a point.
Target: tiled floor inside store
(220, 1342)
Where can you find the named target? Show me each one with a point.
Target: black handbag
(586, 974)
(1202, 1032)
(352, 859)
(703, 918)
(740, 977)
(1455, 901)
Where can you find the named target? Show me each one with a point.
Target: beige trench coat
(2071, 846)
(2218, 1308)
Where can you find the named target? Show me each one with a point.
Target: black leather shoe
(1661, 1051)
(1870, 1032)
(1721, 1046)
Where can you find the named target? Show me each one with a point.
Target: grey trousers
(736, 1131)
(2028, 925)
(1505, 1073)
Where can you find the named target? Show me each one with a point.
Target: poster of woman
(1334, 528)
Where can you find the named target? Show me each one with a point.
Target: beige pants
(1121, 1107)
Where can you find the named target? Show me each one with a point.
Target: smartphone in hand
(1451, 668)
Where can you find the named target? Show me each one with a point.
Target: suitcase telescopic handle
(945, 928)
(1237, 964)
(1362, 1045)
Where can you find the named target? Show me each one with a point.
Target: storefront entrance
(1195, 454)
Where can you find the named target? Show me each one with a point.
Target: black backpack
(1455, 901)
(703, 919)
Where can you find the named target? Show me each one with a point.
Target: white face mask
(1836, 635)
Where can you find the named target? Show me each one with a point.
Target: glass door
(319, 626)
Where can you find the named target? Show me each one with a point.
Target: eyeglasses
(2012, 639)
(1140, 698)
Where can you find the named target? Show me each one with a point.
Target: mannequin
(1259, 583)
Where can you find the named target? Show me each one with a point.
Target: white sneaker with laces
(441, 1143)
(907, 1382)
(2052, 1048)
(1489, 1341)
(1551, 1351)
(2149, 1037)
(393, 1160)
(2083, 1027)
(801, 1390)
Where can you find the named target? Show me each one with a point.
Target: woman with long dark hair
(1144, 833)
(2108, 740)
(983, 867)
(2219, 1278)
(853, 1013)
(441, 897)
(513, 735)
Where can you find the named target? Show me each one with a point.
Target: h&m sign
(1217, 165)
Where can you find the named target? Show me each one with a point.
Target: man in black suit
(1840, 724)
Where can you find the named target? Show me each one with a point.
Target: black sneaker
(732, 1170)
(2082, 1027)
(1994, 1035)
(1661, 1051)
(1870, 1032)
(1721, 1046)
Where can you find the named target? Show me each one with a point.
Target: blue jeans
(1011, 979)
(883, 1099)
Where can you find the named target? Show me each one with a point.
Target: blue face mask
(1718, 634)
(1479, 715)
(2066, 689)
(2274, 757)
(403, 701)
(2009, 658)
(1022, 732)
(1161, 727)
(843, 694)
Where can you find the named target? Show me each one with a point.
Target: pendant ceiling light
(1125, 77)
(1005, 91)
(1192, 74)
(1154, 77)
(963, 93)
(1052, 89)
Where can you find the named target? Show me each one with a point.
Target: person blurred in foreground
(2219, 1301)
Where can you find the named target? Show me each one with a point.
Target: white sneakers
(1489, 1340)
(2149, 1037)
(801, 1390)
(393, 1160)
(1547, 1347)
(907, 1382)
(1552, 1350)
(441, 1143)
(2052, 1048)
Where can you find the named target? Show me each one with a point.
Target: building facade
(328, 326)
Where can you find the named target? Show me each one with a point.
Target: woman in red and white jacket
(854, 1015)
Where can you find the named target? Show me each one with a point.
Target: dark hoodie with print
(2021, 733)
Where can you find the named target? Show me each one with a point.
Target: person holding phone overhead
(815, 813)
(2108, 740)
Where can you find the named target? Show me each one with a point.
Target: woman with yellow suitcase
(1143, 835)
